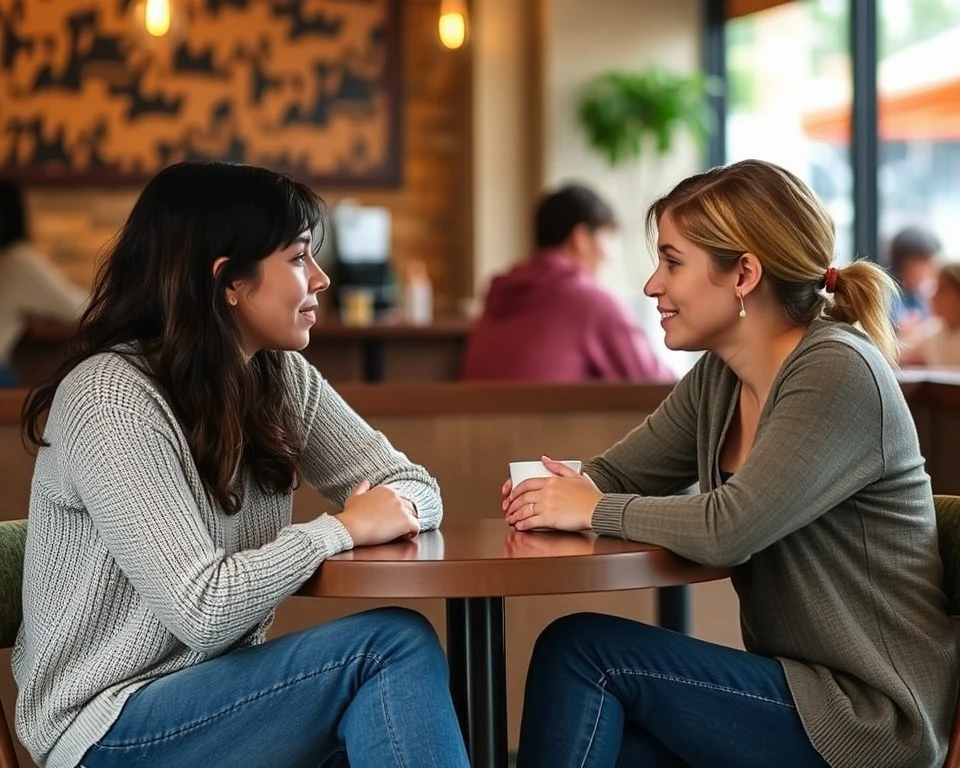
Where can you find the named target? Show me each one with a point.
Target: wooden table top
(486, 558)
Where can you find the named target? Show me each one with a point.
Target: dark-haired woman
(160, 538)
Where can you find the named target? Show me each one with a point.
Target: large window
(789, 96)
(918, 80)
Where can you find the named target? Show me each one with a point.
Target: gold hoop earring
(232, 301)
(743, 310)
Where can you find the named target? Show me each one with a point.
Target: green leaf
(625, 112)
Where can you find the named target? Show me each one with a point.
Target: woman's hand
(564, 502)
(377, 515)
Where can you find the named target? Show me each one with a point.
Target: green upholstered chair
(13, 536)
(948, 530)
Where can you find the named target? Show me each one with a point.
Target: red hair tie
(830, 279)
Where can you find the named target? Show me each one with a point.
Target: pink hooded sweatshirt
(547, 320)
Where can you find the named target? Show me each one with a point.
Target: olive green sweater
(830, 524)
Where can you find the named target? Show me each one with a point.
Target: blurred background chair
(948, 529)
(13, 535)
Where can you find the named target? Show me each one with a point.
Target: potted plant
(625, 112)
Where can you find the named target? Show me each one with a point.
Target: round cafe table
(475, 565)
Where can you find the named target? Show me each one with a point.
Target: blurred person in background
(913, 262)
(30, 286)
(936, 341)
(548, 319)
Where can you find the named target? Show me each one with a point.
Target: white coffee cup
(524, 470)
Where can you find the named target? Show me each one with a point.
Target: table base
(673, 608)
(476, 653)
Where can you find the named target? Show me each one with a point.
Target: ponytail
(862, 294)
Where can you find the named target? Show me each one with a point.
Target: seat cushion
(13, 536)
(948, 531)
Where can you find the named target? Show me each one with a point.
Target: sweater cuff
(327, 534)
(425, 500)
(608, 514)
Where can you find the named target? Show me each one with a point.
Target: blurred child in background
(913, 262)
(936, 341)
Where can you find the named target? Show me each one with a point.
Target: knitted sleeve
(128, 472)
(342, 449)
(818, 443)
(659, 457)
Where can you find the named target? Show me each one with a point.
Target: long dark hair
(157, 301)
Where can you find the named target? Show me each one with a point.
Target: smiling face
(698, 305)
(277, 309)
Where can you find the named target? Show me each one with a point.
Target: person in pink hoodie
(548, 319)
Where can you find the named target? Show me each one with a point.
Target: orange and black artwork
(309, 87)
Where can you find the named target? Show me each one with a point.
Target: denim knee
(590, 636)
(406, 623)
(404, 630)
(573, 625)
(567, 634)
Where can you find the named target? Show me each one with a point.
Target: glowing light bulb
(453, 22)
(453, 29)
(156, 17)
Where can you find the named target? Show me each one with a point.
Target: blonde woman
(812, 488)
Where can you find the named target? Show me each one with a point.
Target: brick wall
(431, 210)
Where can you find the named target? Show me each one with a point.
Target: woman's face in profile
(277, 309)
(697, 306)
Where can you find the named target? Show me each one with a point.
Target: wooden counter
(390, 352)
(376, 353)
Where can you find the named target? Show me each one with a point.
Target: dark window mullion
(864, 127)
(714, 63)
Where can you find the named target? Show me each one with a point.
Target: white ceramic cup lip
(524, 470)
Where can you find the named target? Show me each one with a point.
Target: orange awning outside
(931, 114)
(909, 109)
(735, 8)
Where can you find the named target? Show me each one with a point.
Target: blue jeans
(606, 691)
(366, 691)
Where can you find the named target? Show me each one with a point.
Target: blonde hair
(758, 207)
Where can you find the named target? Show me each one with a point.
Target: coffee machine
(362, 265)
